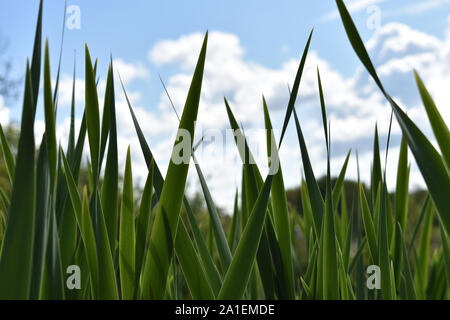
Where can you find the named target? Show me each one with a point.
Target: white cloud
(416, 8)
(130, 71)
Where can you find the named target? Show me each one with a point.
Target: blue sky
(254, 49)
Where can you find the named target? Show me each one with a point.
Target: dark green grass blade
(109, 192)
(92, 116)
(15, 269)
(50, 134)
(41, 227)
(316, 200)
(87, 233)
(36, 59)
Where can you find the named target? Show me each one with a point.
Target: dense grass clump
(52, 223)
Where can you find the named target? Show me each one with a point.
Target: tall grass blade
(279, 204)
(15, 269)
(127, 245)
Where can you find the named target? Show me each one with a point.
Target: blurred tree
(8, 84)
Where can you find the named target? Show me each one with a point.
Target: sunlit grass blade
(127, 245)
(238, 273)
(182, 239)
(167, 216)
(15, 269)
(440, 129)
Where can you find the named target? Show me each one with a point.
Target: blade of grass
(182, 240)
(127, 245)
(166, 221)
(369, 226)
(401, 192)
(279, 204)
(109, 192)
(316, 200)
(15, 269)
(238, 273)
(295, 87)
(440, 130)
(143, 227)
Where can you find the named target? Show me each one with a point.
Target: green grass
(156, 248)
